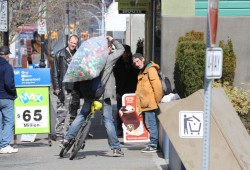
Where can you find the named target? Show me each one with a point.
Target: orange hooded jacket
(149, 88)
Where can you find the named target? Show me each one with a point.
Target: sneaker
(117, 153)
(53, 137)
(64, 143)
(149, 149)
(8, 149)
(59, 138)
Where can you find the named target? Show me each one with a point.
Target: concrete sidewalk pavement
(95, 156)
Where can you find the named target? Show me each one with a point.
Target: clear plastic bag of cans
(88, 61)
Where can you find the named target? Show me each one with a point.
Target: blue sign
(32, 77)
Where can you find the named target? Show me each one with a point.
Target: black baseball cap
(137, 55)
(4, 50)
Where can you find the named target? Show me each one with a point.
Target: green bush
(240, 97)
(229, 62)
(189, 65)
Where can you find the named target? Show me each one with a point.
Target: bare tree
(82, 14)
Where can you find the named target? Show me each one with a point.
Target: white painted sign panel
(214, 62)
(3, 16)
(42, 27)
(191, 124)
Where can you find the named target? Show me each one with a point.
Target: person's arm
(113, 57)
(155, 83)
(9, 81)
(55, 74)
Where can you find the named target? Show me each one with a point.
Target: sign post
(213, 70)
(42, 29)
(213, 20)
(214, 62)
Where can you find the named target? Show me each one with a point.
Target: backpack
(97, 86)
(166, 85)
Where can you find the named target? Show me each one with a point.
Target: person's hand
(96, 105)
(109, 38)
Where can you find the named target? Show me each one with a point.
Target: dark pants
(66, 112)
(118, 118)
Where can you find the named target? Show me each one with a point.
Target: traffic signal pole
(42, 60)
(67, 24)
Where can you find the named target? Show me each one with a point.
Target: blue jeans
(6, 121)
(108, 119)
(77, 123)
(109, 123)
(152, 126)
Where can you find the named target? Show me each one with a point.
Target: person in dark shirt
(7, 96)
(125, 79)
(68, 99)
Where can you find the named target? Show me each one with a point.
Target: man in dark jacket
(7, 97)
(68, 98)
(125, 80)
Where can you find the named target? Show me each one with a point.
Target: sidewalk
(95, 156)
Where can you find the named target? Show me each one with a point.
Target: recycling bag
(88, 61)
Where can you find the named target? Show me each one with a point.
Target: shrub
(240, 97)
(229, 61)
(189, 65)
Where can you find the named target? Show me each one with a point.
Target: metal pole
(206, 131)
(103, 17)
(67, 24)
(153, 28)
(98, 21)
(6, 38)
(6, 33)
(42, 61)
(130, 29)
(207, 115)
(210, 42)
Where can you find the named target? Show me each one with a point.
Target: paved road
(96, 155)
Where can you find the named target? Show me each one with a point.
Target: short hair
(74, 35)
